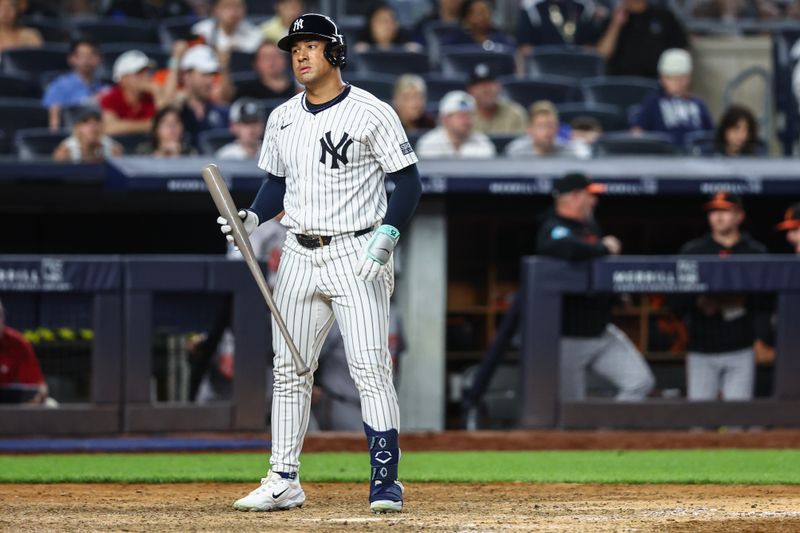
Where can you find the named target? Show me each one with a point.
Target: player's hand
(612, 244)
(249, 221)
(377, 252)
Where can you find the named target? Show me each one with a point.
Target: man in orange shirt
(21, 379)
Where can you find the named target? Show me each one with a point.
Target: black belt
(317, 241)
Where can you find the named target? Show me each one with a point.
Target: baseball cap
(675, 62)
(723, 201)
(481, 72)
(246, 110)
(791, 219)
(130, 62)
(456, 101)
(577, 181)
(310, 25)
(202, 58)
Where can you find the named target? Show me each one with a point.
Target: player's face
(587, 202)
(84, 60)
(792, 236)
(676, 85)
(543, 130)
(736, 136)
(725, 221)
(485, 93)
(308, 61)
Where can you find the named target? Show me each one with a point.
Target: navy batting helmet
(314, 25)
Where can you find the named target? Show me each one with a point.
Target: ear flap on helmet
(336, 51)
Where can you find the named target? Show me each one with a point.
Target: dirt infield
(430, 507)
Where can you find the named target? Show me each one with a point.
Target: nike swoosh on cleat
(276, 496)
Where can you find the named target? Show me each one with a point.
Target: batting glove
(249, 221)
(377, 252)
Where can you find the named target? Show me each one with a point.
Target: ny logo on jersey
(338, 153)
(298, 25)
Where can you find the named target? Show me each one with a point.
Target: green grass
(658, 466)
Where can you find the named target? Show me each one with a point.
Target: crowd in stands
(546, 90)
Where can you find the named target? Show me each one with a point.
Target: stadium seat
(241, 62)
(117, 31)
(3, 143)
(394, 62)
(501, 140)
(175, 29)
(51, 30)
(112, 51)
(12, 85)
(702, 143)
(35, 61)
(381, 85)
(21, 113)
(462, 60)
(556, 89)
(38, 143)
(439, 85)
(571, 62)
(130, 141)
(434, 33)
(213, 140)
(625, 143)
(610, 117)
(624, 91)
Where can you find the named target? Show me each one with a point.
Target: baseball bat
(222, 199)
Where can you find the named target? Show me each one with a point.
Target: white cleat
(274, 494)
(391, 498)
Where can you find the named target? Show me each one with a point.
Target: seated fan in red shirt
(21, 379)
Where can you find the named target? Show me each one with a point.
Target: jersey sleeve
(29, 372)
(389, 142)
(270, 160)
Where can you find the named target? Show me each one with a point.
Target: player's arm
(561, 242)
(405, 197)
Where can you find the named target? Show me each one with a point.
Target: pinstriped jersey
(334, 161)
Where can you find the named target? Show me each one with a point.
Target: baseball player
(791, 225)
(327, 152)
(589, 339)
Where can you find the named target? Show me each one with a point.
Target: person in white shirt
(227, 30)
(542, 137)
(455, 137)
(247, 124)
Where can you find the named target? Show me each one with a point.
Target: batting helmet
(315, 25)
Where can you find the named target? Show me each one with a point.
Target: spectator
(542, 137)
(588, 338)
(737, 133)
(88, 143)
(791, 225)
(277, 27)
(409, 101)
(477, 27)
(149, 9)
(227, 30)
(731, 10)
(673, 109)
(273, 80)
(167, 138)
(635, 37)
(247, 124)
(12, 33)
(381, 31)
(199, 67)
(455, 137)
(129, 105)
(79, 87)
(557, 22)
(584, 132)
(493, 113)
(21, 379)
(722, 328)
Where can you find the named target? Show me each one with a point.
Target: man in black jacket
(722, 327)
(589, 339)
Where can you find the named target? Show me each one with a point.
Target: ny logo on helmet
(298, 25)
(338, 152)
